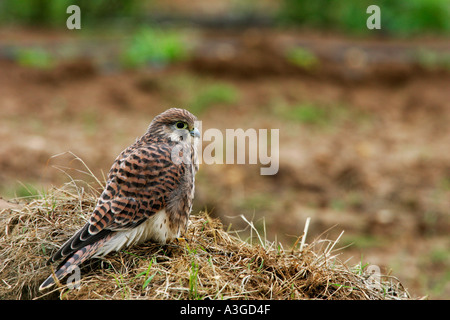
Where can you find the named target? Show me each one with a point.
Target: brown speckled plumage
(148, 195)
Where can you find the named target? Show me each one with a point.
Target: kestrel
(148, 194)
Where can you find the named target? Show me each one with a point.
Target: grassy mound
(210, 263)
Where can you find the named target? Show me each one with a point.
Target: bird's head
(176, 125)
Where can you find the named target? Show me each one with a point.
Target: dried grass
(211, 263)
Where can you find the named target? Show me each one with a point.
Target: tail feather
(77, 241)
(74, 260)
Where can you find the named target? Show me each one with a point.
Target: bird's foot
(180, 241)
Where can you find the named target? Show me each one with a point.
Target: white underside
(153, 229)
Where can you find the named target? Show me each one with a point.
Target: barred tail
(77, 258)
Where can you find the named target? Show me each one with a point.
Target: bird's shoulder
(139, 182)
(144, 153)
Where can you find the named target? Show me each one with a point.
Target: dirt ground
(373, 162)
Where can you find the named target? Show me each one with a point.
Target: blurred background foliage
(53, 13)
(399, 18)
(159, 47)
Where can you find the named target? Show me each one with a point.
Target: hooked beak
(195, 133)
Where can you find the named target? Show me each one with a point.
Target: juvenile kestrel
(148, 195)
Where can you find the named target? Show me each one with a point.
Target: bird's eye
(181, 125)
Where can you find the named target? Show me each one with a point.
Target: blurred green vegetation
(400, 18)
(34, 58)
(310, 114)
(209, 95)
(198, 94)
(364, 241)
(22, 190)
(154, 46)
(430, 59)
(53, 13)
(315, 115)
(303, 58)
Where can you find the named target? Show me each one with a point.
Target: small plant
(122, 285)
(193, 280)
(360, 267)
(146, 274)
(193, 273)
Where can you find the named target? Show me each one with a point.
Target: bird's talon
(180, 241)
